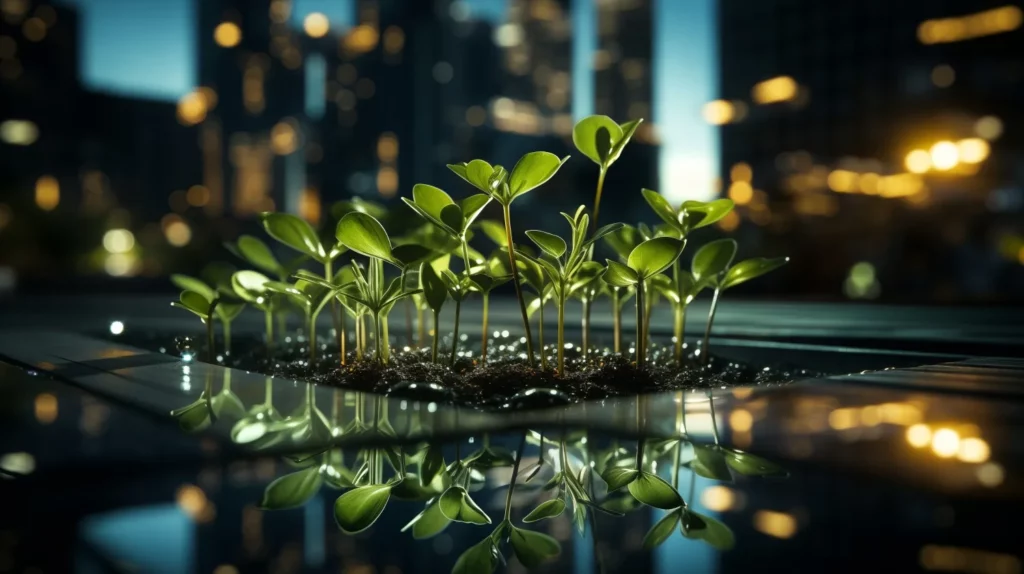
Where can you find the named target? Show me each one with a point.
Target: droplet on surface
(421, 391)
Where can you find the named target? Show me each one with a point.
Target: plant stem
(421, 332)
(648, 305)
(342, 335)
(515, 476)
(209, 340)
(704, 351)
(408, 311)
(226, 330)
(268, 391)
(675, 464)
(617, 319)
(515, 281)
(586, 329)
(437, 337)
(597, 198)
(311, 327)
(455, 336)
(561, 335)
(268, 320)
(465, 256)
(483, 344)
(540, 332)
(641, 354)
(679, 329)
(376, 330)
(385, 340)
(359, 336)
(640, 453)
(282, 323)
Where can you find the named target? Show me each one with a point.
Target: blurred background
(877, 143)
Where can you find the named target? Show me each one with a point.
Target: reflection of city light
(227, 34)
(387, 147)
(919, 435)
(394, 40)
(945, 442)
(718, 498)
(778, 89)
(945, 155)
(718, 112)
(777, 524)
(730, 222)
(116, 327)
(280, 10)
(283, 138)
(316, 25)
(309, 205)
(18, 132)
(973, 449)
(990, 474)
(741, 420)
(118, 241)
(842, 181)
(18, 463)
(47, 192)
(918, 161)
(192, 500)
(508, 35)
(191, 108)
(741, 172)
(475, 116)
(198, 196)
(362, 38)
(988, 127)
(119, 264)
(842, 419)
(46, 408)
(741, 192)
(387, 181)
(986, 23)
(176, 231)
(973, 150)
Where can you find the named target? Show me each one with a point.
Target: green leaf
(411, 489)
(295, 233)
(365, 235)
(359, 508)
(250, 286)
(434, 289)
(751, 268)
(584, 135)
(651, 490)
(547, 509)
(477, 173)
(189, 283)
(195, 302)
(428, 523)
(617, 477)
(661, 207)
(431, 465)
(258, 254)
(431, 199)
(533, 548)
(227, 311)
(549, 243)
(619, 275)
(456, 505)
(292, 490)
(533, 170)
(412, 254)
(713, 259)
(661, 530)
(472, 206)
(714, 532)
(623, 240)
(495, 231)
(654, 256)
(603, 231)
(481, 558)
(710, 463)
(628, 129)
(451, 216)
(195, 416)
(750, 465)
(701, 214)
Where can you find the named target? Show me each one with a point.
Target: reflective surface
(117, 460)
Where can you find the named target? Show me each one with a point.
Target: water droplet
(186, 347)
(537, 398)
(421, 391)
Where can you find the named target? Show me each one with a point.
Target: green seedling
(251, 287)
(680, 290)
(365, 235)
(645, 261)
(454, 219)
(622, 241)
(311, 298)
(589, 286)
(562, 265)
(435, 292)
(602, 140)
(215, 288)
(492, 273)
(533, 275)
(712, 266)
(203, 307)
(530, 172)
(255, 252)
(458, 289)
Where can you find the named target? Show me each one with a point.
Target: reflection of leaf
(456, 505)
(359, 508)
(193, 417)
(750, 465)
(490, 457)
(428, 523)
(411, 489)
(710, 463)
(532, 548)
(481, 558)
(547, 509)
(660, 532)
(292, 490)
(653, 491)
(432, 464)
(617, 477)
(714, 532)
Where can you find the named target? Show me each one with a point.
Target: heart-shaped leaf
(256, 252)
(549, 243)
(434, 289)
(365, 235)
(533, 170)
(457, 506)
(713, 259)
(477, 173)
(710, 463)
(623, 240)
(431, 199)
(661, 207)
(189, 283)
(661, 530)
(585, 136)
(547, 509)
(292, 490)
(359, 508)
(750, 465)
(654, 256)
(481, 558)
(428, 523)
(714, 532)
(294, 232)
(533, 548)
(652, 490)
(751, 268)
(617, 477)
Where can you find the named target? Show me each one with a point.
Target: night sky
(146, 49)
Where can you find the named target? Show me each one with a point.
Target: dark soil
(502, 382)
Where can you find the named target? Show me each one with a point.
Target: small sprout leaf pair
(751, 268)
(709, 462)
(295, 233)
(428, 523)
(601, 139)
(359, 508)
(646, 260)
(690, 215)
(481, 558)
(533, 548)
(457, 506)
(292, 490)
(198, 286)
(692, 525)
(531, 171)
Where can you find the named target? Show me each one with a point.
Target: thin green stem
(209, 340)
(421, 331)
(516, 282)
(678, 309)
(586, 329)
(376, 330)
(515, 476)
(617, 318)
(561, 335)
(311, 327)
(465, 256)
(268, 391)
(641, 354)
(226, 330)
(597, 199)
(384, 340)
(437, 337)
(483, 344)
(705, 349)
(640, 453)
(455, 335)
(675, 464)
(540, 333)
(342, 335)
(268, 324)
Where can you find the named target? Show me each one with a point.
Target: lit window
(227, 34)
(18, 132)
(284, 138)
(191, 108)
(718, 112)
(47, 192)
(316, 25)
(780, 89)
